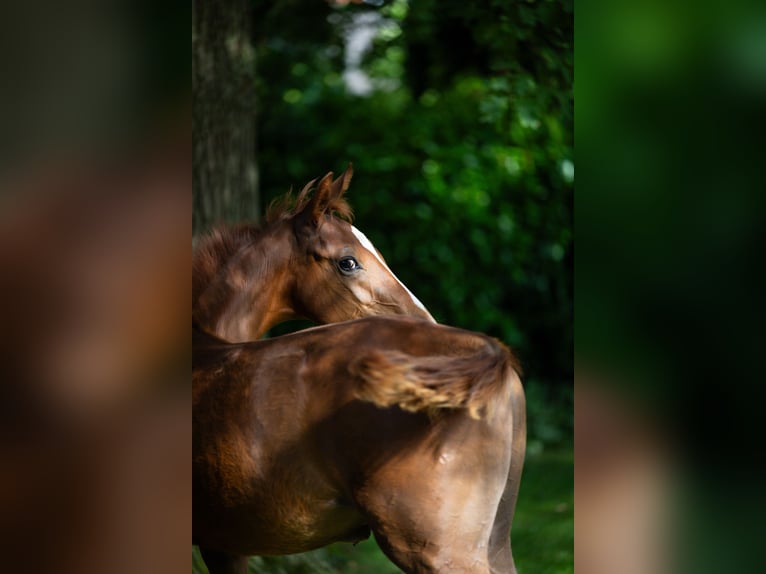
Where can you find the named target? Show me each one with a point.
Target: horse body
(304, 440)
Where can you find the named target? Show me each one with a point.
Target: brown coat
(306, 439)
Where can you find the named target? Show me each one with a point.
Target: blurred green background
(670, 145)
(458, 118)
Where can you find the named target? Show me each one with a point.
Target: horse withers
(394, 426)
(306, 261)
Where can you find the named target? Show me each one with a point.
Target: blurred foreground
(95, 210)
(94, 403)
(669, 285)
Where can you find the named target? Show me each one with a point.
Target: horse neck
(250, 294)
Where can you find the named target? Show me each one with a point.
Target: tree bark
(225, 169)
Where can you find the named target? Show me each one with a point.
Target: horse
(394, 426)
(306, 261)
(239, 273)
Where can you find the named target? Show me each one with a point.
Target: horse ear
(340, 185)
(320, 199)
(309, 217)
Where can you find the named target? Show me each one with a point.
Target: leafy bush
(463, 160)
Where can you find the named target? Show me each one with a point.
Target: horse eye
(348, 265)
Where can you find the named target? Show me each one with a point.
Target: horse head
(343, 276)
(306, 261)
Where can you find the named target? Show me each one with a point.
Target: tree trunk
(224, 172)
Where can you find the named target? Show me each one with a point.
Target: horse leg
(222, 563)
(500, 553)
(436, 520)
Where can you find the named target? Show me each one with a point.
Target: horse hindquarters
(432, 510)
(500, 553)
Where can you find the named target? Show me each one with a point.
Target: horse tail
(476, 381)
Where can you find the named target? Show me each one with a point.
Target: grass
(543, 527)
(543, 530)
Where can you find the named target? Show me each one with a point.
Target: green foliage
(310, 563)
(549, 415)
(464, 161)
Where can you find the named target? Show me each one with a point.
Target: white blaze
(367, 244)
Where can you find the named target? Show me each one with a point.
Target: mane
(219, 245)
(215, 248)
(288, 206)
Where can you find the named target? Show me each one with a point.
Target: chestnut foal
(306, 261)
(386, 424)
(246, 279)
